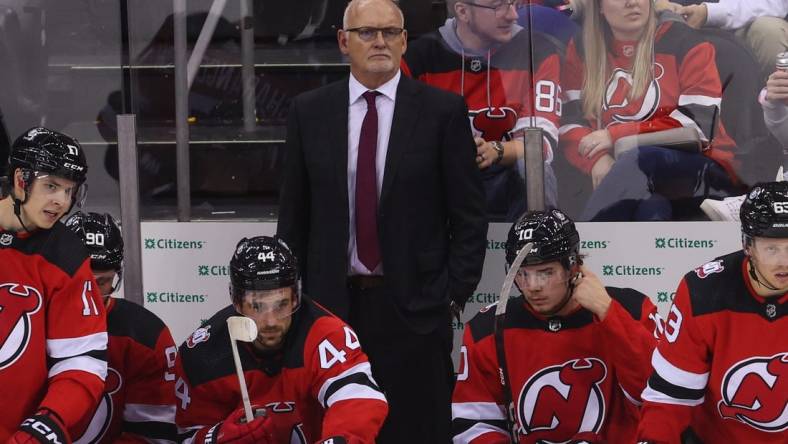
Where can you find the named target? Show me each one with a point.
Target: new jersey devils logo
(755, 392)
(561, 401)
(18, 303)
(493, 123)
(617, 92)
(102, 417)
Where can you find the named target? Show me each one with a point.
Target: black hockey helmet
(263, 263)
(553, 235)
(101, 235)
(764, 213)
(42, 151)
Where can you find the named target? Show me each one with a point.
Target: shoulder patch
(708, 268)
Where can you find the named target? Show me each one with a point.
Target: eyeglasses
(500, 7)
(368, 33)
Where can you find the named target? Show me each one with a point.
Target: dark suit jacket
(432, 224)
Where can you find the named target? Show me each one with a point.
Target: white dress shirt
(357, 109)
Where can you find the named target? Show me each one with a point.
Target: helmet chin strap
(567, 297)
(18, 210)
(754, 276)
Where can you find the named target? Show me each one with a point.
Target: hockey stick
(244, 329)
(500, 324)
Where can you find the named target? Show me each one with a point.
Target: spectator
(383, 203)
(630, 73)
(565, 333)
(483, 55)
(761, 23)
(774, 99)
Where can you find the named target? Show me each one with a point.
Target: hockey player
(306, 368)
(53, 335)
(138, 403)
(509, 79)
(722, 366)
(569, 359)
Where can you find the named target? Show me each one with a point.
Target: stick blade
(242, 328)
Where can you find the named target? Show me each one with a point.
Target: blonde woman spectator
(630, 73)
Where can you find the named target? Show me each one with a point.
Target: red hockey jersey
(722, 365)
(569, 375)
(138, 403)
(53, 330)
(686, 92)
(321, 384)
(502, 95)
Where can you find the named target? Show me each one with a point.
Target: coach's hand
(590, 293)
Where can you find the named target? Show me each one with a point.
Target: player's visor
(279, 303)
(770, 252)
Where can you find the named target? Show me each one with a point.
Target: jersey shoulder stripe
(719, 286)
(134, 321)
(630, 299)
(58, 245)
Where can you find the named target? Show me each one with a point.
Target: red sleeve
(342, 383)
(548, 100)
(478, 407)
(679, 377)
(574, 125)
(76, 340)
(634, 339)
(150, 404)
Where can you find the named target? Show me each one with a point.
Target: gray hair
(352, 3)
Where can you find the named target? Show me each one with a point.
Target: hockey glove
(236, 430)
(45, 427)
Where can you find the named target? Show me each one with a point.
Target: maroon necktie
(367, 188)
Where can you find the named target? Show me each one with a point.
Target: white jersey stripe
(572, 94)
(677, 376)
(87, 364)
(566, 128)
(651, 395)
(354, 391)
(478, 411)
(699, 100)
(688, 123)
(363, 367)
(64, 348)
(476, 431)
(630, 397)
(148, 412)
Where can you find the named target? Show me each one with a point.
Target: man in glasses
(53, 333)
(572, 353)
(384, 207)
(306, 373)
(509, 78)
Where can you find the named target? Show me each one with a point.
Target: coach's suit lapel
(406, 114)
(337, 119)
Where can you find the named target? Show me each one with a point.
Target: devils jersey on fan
(722, 365)
(571, 377)
(686, 92)
(53, 335)
(320, 386)
(498, 86)
(138, 403)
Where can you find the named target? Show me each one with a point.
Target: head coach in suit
(383, 205)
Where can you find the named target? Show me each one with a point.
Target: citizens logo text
(213, 270)
(681, 242)
(631, 270)
(173, 297)
(173, 244)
